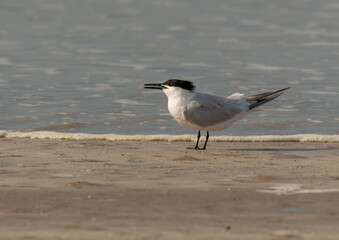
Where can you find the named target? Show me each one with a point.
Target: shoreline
(85, 189)
(171, 138)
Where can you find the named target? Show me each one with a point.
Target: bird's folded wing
(208, 110)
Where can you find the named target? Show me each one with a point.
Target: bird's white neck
(178, 99)
(177, 92)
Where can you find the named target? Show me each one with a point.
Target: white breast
(176, 107)
(177, 104)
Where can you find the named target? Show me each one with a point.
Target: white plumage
(203, 111)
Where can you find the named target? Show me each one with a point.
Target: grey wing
(208, 110)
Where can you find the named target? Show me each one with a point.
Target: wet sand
(95, 189)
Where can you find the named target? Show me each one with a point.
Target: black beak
(153, 86)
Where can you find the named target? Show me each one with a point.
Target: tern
(202, 111)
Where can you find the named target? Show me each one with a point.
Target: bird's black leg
(207, 137)
(197, 144)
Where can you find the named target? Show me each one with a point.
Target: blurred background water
(76, 65)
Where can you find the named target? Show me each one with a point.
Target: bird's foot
(196, 148)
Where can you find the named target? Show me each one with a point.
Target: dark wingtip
(262, 98)
(264, 95)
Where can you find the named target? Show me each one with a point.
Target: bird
(207, 112)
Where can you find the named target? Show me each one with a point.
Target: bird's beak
(153, 86)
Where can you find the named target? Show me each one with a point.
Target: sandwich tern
(202, 111)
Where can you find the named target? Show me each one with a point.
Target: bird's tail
(262, 98)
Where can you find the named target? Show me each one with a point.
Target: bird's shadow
(279, 149)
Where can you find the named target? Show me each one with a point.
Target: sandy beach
(96, 189)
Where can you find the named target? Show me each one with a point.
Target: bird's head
(171, 86)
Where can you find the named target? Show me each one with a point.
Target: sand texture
(96, 189)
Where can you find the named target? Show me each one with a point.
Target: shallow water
(76, 66)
